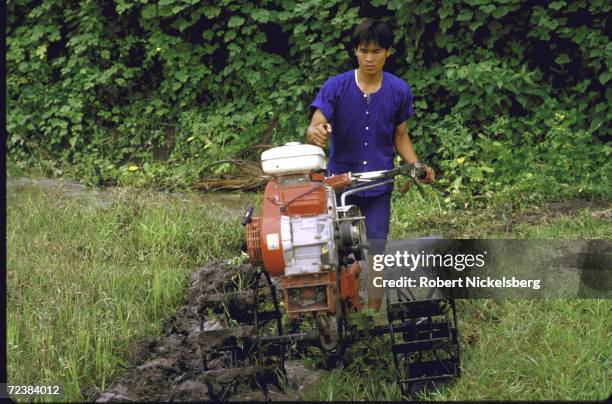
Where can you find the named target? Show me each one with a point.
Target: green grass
(557, 349)
(511, 350)
(89, 274)
(415, 216)
(535, 350)
(85, 278)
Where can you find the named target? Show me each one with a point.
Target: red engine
(297, 238)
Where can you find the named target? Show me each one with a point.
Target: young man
(363, 112)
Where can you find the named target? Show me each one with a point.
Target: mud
(598, 208)
(170, 368)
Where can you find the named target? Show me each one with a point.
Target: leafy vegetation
(512, 98)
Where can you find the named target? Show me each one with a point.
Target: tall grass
(87, 276)
(416, 215)
(511, 350)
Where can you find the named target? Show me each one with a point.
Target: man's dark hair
(373, 31)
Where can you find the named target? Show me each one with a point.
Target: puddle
(228, 205)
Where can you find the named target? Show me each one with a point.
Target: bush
(97, 87)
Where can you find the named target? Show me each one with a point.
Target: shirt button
(365, 96)
(367, 112)
(367, 128)
(365, 162)
(365, 144)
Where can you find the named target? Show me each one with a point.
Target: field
(510, 103)
(90, 272)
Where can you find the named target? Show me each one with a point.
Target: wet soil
(228, 205)
(231, 205)
(599, 208)
(170, 368)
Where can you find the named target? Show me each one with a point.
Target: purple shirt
(363, 128)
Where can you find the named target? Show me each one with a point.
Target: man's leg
(377, 211)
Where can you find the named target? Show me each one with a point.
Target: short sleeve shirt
(363, 128)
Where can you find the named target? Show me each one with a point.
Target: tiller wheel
(247, 351)
(310, 240)
(424, 338)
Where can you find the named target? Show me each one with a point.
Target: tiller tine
(424, 343)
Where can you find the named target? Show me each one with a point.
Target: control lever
(246, 218)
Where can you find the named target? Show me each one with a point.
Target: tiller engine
(306, 246)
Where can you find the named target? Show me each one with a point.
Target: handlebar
(414, 170)
(367, 180)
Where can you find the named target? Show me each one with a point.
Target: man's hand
(319, 134)
(430, 176)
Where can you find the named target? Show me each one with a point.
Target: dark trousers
(377, 210)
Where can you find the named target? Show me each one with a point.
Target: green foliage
(97, 87)
(492, 164)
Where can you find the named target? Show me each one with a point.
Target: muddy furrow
(171, 367)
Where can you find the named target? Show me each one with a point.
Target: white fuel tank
(293, 158)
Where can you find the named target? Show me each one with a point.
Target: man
(363, 112)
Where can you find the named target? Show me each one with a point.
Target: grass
(557, 349)
(414, 215)
(511, 350)
(88, 274)
(86, 277)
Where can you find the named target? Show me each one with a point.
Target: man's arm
(318, 131)
(404, 148)
(403, 145)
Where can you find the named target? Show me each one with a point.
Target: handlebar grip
(418, 171)
(246, 217)
(421, 174)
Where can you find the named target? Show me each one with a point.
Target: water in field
(224, 205)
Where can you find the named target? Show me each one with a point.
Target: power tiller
(309, 241)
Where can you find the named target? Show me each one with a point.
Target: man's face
(371, 57)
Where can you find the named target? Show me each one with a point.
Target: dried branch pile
(247, 176)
